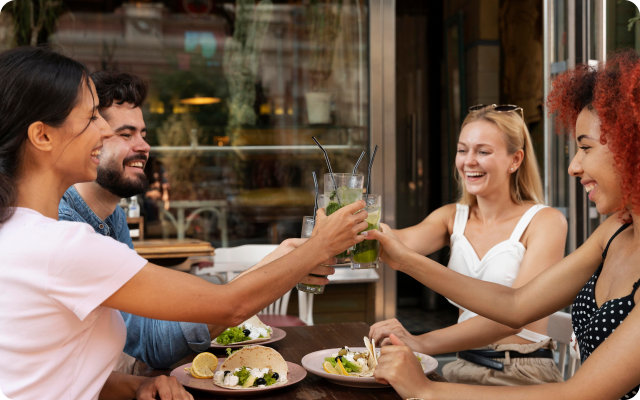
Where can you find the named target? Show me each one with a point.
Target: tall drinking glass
(347, 190)
(307, 230)
(365, 255)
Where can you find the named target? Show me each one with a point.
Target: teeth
(590, 187)
(137, 164)
(475, 174)
(95, 153)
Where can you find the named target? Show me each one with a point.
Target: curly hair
(119, 87)
(612, 91)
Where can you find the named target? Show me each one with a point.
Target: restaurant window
(237, 89)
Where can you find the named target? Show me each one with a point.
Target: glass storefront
(237, 90)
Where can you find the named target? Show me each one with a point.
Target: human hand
(283, 249)
(322, 269)
(399, 367)
(392, 251)
(339, 231)
(380, 333)
(163, 388)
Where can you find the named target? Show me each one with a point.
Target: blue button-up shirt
(158, 344)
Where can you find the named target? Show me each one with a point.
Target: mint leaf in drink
(332, 207)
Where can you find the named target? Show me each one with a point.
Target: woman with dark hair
(61, 284)
(600, 280)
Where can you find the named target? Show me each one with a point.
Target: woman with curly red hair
(601, 108)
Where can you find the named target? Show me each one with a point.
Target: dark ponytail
(36, 84)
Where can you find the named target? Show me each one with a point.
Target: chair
(230, 262)
(560, 330)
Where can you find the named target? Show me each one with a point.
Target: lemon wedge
(328, 368)
(341, 369)
(203, 365)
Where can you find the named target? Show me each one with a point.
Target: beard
(112, 178)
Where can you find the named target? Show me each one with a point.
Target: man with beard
(121, 174)
(123, 158)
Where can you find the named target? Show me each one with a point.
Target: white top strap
(462, 216)
(525, 220)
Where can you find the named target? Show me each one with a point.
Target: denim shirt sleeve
(122, 229)
(160, 344)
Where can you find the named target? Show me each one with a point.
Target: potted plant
(323, 22)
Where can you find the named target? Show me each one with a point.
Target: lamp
(198, 100)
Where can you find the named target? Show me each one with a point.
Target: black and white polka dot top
(593, 325)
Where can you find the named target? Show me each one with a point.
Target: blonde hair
(525, 184)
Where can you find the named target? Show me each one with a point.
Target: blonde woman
(498, 232)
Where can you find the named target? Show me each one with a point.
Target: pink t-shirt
(56, 341)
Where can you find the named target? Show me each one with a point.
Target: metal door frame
(382, 59)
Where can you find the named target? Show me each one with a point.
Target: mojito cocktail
(347, 190)
(307, 229)
(365, 254)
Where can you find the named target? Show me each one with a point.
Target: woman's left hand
(399, 367)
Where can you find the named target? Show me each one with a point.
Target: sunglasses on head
(498, 108)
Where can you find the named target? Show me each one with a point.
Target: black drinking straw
(326, 157)
(315, 207)
(358, 163)
(371, 165)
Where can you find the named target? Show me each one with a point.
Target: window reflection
(237, 90)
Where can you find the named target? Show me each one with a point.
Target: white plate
(276, 335)
(312, 362)
(295, 375)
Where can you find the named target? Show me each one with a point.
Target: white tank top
(500, 265)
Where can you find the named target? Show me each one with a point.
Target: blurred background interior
(239, 87)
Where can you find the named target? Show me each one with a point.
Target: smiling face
(82, 134)
(594, 165)
(125, 155)
(482, 159)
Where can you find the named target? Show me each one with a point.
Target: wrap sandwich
(250, 331)
(252, 367)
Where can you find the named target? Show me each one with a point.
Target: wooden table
(177, 254)
(300, 341)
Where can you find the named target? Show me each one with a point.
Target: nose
(141, 145)
(470, 159)
(575, 168)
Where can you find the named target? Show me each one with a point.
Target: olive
(246, 332)
(226, 372)
(338, 358)
(342, 352)
(261, 381)
(275, 376)
(357, 357)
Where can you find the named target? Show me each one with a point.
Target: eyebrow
(130, 128)
(584, 137)
(477, 145)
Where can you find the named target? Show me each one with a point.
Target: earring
(511, 169)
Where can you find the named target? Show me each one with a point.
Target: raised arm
(431, 234)
(609, 373)
(159, 293)
(549, 292)
(545, 248)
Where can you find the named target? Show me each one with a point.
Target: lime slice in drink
(373, 218)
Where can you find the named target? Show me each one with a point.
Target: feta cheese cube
(218, 377)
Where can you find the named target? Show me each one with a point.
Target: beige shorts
(517, 371)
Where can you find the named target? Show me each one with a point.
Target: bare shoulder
(446, 214)
(547, 224)
(606, 230)
(443, 216)
(547, 218)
